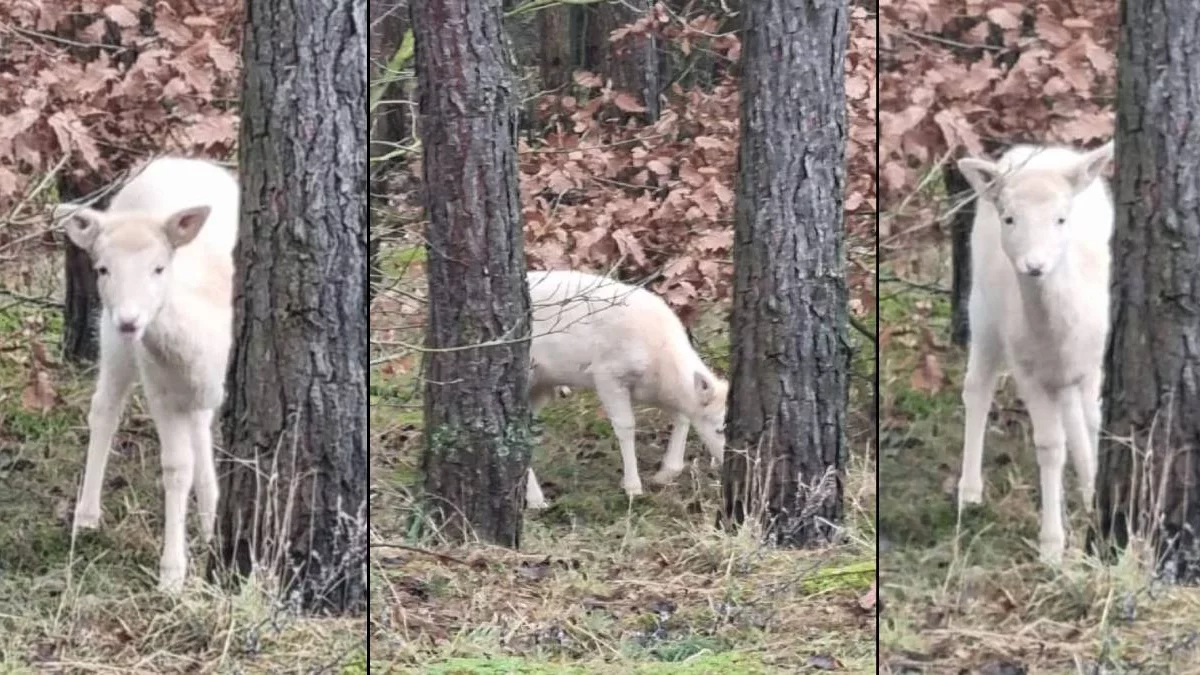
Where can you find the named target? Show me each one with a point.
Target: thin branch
(416, 549)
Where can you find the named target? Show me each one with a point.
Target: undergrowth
(88, 604)
(971, 596)
(602, 584)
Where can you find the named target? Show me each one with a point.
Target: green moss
(396, 262)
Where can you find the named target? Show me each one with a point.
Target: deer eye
(1061, 221)
(1008, 220)
(102, 270)
(158, 270)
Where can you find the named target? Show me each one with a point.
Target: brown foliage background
(601, 188)
(604, 189)
(92, 87)
(972, 76)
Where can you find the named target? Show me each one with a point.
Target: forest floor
(972, 597)
(603, 585)
(88, 604)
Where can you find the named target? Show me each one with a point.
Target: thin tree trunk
(294, 493)
(391, 122)
(790, 355)
(554, 24)
(477, 420)
(81, 308)
(960, 256)
(632, 62)
(1152, 388)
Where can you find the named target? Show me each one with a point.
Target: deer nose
(1033, 270)
(128, 327)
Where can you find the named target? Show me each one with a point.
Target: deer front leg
(117, 372)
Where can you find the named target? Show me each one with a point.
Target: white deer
(163, 253)
(1039, 307)
(625, 343)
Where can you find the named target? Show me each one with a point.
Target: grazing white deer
(163, 253)
(1039, 307)
(627, 345)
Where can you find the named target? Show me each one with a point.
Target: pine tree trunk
(477, 420)
(294, 492)
(1152, 387)
(790, 356)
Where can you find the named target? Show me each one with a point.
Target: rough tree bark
(1152, 388)
(477, 420)
(790, 356)
(294, 491)
(633, 63)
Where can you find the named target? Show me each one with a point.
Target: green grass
(602, 584)
(971, 596)
(89, 604)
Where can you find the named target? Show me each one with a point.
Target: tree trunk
(477, 420)
(790, 355)
(390, 123)
(960, 256)
(294, 495)
(554, 24)
(1152, 388)
(81, 308)
(633, 63)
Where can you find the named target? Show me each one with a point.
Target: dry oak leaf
(716, 241)
(1004, 18)
(72, 135)
(628, 245)
(121, 16)
(628, 103)
(659, 167)
(213, 130)
(587, 79)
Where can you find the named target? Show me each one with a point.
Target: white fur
(625, 343)
(165, 246)
(1039, 308)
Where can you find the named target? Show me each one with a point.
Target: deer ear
(704, 388)
(183, 227)
(984, 176)
(82, 224)
(1090, 166)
